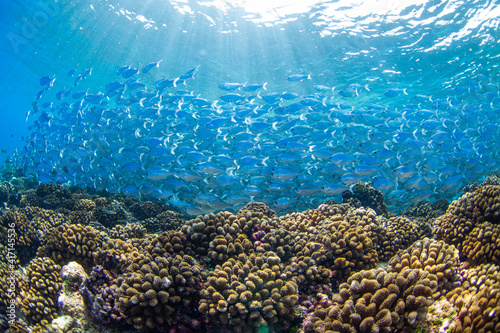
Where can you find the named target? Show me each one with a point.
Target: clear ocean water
(426, 70)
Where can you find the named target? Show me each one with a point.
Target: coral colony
(100, 263)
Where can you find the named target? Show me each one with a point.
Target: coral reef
(482, 244)
(364, 195)
(436, 257)
(40, 298)
(259, 207)
(473, 208)
(377, 301)
(166, 220)
(397, 233)
(71, 242)
(48, 196)
(24, 234)
(250, 292)
(477, 300)
(160, 291)
(250, 271)
(98, 291)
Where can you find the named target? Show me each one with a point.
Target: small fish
(59, 94)
(86, 72)
(39, 95)
(333, 189)
(114, 86)
(71, 72)
(77, 79)
(348, 92)
(383, 184)
(394, 92)
(279, 173)
(209, 168)
(44, 81)
(228, 86)
(158, 174)
(35, 107)
(148, 67)
(404, 171)
(254, 87)
(322, 88)
(271, 97)
(129, 72)
(79, 94)
(135, 85)
(165, 83)
(121, 70)
(252, 190)
(232, 97)
(189, 74)
(289, 96)
(341, 159)
(298, 77)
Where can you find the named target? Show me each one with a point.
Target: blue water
(424, 47)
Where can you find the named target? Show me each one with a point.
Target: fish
(129, 72)
(298, 77)
(232, 97)
(254, 86)
(394, 92)
(341, 158)
(149, 66)
(230, 86)
(323, 88)
(289, 96)
(44, 81)
(199, 153)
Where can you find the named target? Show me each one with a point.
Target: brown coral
(44, 282)
(258, 207)
(482, 245)
(250, 292)
(160, 290)
(473, 208)
(164, 221)
(377, 300)
(477, 300)
(72, 242)
(436, 257)
(15, 226)
(397, 233)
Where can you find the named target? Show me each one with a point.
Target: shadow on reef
(112, 263)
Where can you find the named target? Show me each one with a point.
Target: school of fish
(161, 140)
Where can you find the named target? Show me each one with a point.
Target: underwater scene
(250, 166)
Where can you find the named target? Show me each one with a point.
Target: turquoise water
(436, 56)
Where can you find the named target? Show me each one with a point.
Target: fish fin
(264, 86)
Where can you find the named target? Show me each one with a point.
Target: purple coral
(98, 292)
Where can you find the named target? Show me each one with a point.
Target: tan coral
(377, 300)
(482, 245)
(477, 300)
(250, 292)
(154, 293)
(471, 209)
(436, 257)
(72, 242)
(40, 298)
